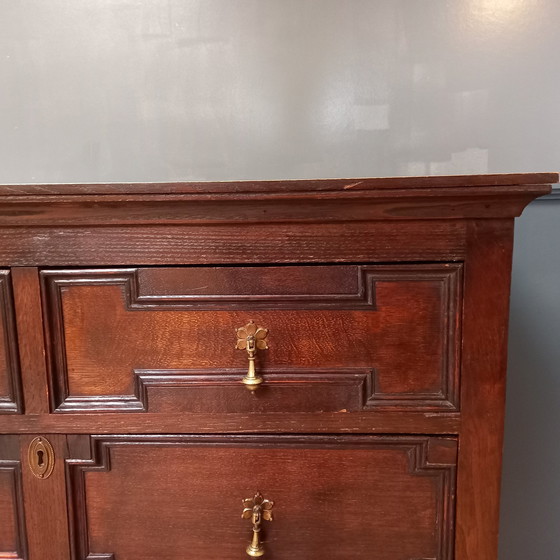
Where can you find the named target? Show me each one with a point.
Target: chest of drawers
(296, 369)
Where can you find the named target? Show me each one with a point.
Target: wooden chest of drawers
(297, 369)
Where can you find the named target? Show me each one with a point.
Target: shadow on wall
(530, 496)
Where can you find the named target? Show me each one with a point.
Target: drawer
(332, 338)
(331, 498)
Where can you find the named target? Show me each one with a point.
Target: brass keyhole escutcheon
(251, 338)
(257, 509)
(41, 457)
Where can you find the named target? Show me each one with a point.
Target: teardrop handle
(251, 338)
(256, 509)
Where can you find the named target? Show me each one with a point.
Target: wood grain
(487, 282)
(267, 207)
(400, 321)
(334, 497)
(13, 541)
(10, 383)
(202, 245)
(45, 504)
(280, 422)
(361, 183)
(27, 301)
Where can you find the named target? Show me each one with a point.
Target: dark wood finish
(367, 494)
(341, 338)
(378, 430)
(487, 277)
(306, 185)
(13, 542)
(10, 387)
(27, 300)
(199, 423)
(272, 243)
(270, 207)
(46, 504)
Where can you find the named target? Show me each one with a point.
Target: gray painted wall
(531, 485)
(159, 90)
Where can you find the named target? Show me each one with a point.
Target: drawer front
(10, 389)
(175, 497)
(351, 337)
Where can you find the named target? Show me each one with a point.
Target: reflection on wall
(230, 89)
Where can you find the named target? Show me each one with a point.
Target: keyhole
(41, 458)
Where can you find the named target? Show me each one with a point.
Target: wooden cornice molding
(284, 186)
(318, 200)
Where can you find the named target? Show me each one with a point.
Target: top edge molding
(283, 186)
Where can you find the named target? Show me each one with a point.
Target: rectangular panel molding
(424, 465)
(10, 384)
(13, 541)
(362, 312)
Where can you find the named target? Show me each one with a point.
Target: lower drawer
(330, 497)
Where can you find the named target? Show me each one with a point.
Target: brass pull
(252, 338)
(256, 509)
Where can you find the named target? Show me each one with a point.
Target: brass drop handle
(256, 509)
(251, 338)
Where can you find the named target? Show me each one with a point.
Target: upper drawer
(350, 337)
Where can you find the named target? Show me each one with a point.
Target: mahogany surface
(341, 338)
(13, 542)
(378, 429)
(380, 486)
(10, 385)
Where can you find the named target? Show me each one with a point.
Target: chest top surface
(309, 200)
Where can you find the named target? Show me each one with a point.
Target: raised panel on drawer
(10, 392)
(12, 524)
(175, 497)
(341, 337)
